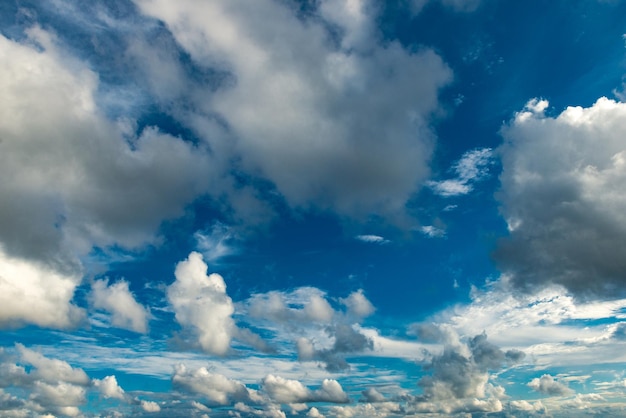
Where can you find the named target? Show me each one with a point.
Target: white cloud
(358, 305)
(52, 370)
(548, 386)
(201, 304)
(120, 302)
(559, 196)
(25, 285)
(292, 391)
(472, 167)
(432, 231)
(374, 239)
(215, 387)
(335, 125)
(150, 406)
(109, 388)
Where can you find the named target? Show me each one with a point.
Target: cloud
(292, 391)
(150, 406)
(459, 375)
(374, 239)
(472, 167)
(27, 284)
(558, 194)
(305, 311)
(109, 388)
(548, 386)
(78, 180)
(215, 387)
(358, 305)
(340, 125)
(201, 305)
(120, 302)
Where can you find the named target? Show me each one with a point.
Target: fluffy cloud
(340, 124)
(109, 388)
(215, 387)
(548, 386)
(27, 284)
(292, 391)
(306, 311)
(459, 375)
(560, 196)
(77, 179)
(150, 406)
(201, 304)
(358, 305)
(52, 386)
(120, 302)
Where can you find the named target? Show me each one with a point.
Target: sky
(312, 208)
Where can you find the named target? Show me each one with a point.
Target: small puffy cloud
(292, 391)
(215, 387)
(117, 299)
(559, 183)
(150, 406)
(358, 305)
(371, 395)
(314, 413)
(373, 239)
(109, 388)
(473, 166)
(201, 304)
(304, 305)
(547, 385)
(346, 340)
(460, 374)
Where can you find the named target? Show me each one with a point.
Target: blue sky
(322, 208)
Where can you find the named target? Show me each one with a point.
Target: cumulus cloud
(215, 387)
(459, 375)
(558, 194)
(51, 386)
(201, 304)
(27, 284)
(473, 166)
(117, 299)
(77, 179)
(358, 305)
(292, 391)
(547, 385)
(340, 124)
(109, 388)
(307, 311)
(150, 406)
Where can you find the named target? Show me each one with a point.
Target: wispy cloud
(472, 167)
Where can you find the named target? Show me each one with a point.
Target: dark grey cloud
(561, 195)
